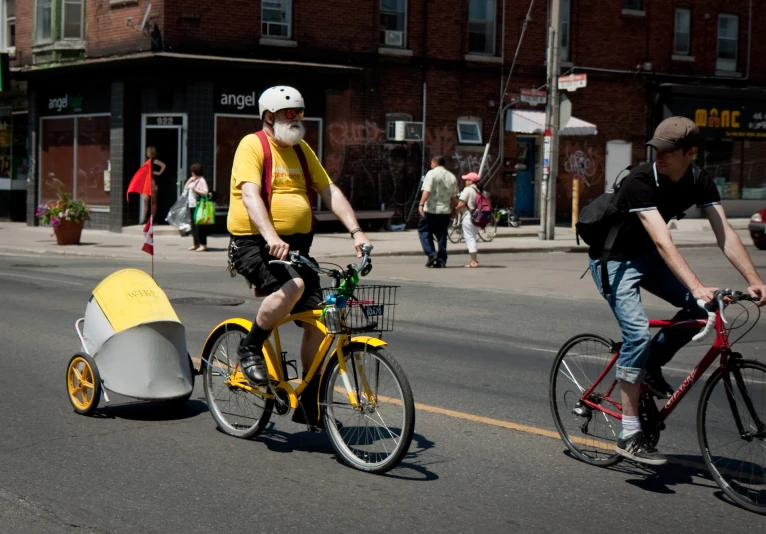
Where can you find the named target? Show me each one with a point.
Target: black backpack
(599, 223)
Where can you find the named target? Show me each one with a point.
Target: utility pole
(548, 196)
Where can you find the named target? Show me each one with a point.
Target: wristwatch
(355, 230)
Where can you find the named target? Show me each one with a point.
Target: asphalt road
(476, 342)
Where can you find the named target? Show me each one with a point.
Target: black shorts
(249, 257)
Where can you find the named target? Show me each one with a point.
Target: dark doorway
(166, 141)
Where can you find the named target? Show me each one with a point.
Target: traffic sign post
(572, 82)
(533, 97)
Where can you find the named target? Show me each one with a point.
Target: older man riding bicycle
(274, 176)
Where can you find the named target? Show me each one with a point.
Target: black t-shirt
(643, 190)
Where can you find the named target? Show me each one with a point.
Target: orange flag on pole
(142, 180)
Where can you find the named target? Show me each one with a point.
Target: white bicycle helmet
(279, 97)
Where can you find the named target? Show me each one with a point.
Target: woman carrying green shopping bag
(196, 191)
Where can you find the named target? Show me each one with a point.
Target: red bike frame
(720, 347)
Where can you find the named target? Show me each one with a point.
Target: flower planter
(68, 233)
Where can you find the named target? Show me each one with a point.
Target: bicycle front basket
(369, 309)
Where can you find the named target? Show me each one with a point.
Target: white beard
(289, 133)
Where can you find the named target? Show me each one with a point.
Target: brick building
(184, 76)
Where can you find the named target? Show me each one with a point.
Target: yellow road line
(511, 426)
(499, 422)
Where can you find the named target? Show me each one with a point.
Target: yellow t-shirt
(290, 211)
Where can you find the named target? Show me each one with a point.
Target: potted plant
(66, 215)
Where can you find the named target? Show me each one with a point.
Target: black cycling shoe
(657, 384)
(253, 365)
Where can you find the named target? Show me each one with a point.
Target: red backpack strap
(267, 170)
(306, 176)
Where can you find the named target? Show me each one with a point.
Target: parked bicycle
(364, 397)
(731, 415)
(486, 234)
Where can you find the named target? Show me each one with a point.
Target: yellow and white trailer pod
(135, 338)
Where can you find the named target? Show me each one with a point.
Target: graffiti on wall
(584, 163)
(376, 173)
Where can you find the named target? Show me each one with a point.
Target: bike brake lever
(721, 306)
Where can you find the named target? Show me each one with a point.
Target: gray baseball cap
(675, 133)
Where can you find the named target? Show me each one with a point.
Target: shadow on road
(412, 467)
(152, 411)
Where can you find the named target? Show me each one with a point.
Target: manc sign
(724, 118)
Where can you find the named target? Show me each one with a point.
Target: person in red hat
(467, 204)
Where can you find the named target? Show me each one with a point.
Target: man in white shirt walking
(437, 206)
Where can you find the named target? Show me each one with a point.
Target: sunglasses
(294, 113)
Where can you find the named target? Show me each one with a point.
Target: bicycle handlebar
(718, 302)
(296, 259)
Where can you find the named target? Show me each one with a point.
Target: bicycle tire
(600, 449)
(728, 477)
(455, 234)
(236, 412)
(83, 383)
(489, 232)
(350, 430)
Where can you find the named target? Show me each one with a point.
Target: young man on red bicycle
(643, 256)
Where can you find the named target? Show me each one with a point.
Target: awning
(533, 122)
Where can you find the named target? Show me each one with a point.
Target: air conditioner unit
(405, 131)
(394, 38)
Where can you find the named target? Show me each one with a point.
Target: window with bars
(43, 20)
(728, 33)
(481, 27)
(72, 14)
(682, 33)
(393, 23)
(276, 19)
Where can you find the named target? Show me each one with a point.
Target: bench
(384, 215)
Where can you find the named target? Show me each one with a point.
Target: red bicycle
(731, 416)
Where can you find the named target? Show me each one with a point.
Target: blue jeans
(430, 226)
(639, 350)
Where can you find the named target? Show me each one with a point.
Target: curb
(90, 253)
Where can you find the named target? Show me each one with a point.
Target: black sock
(256, 337)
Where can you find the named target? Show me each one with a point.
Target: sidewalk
(170, 246)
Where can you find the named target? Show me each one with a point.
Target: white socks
(630, 426)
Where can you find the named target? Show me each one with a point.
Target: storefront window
(723, 161)
(19, 154)
(229, 132)
(69, 144)
(93, 153)
(754, 171)
(56, 157)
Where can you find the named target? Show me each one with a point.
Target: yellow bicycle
(364, 398)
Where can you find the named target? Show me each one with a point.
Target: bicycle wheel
(455, 234)
(375, 436)
(489, 232)
(737, 463)
(236, 412)
(83, 383)
(590, 434)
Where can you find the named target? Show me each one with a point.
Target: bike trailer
(135, 338)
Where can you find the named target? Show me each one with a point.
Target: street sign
(533, 96)
(573, 81)
(547, 153)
